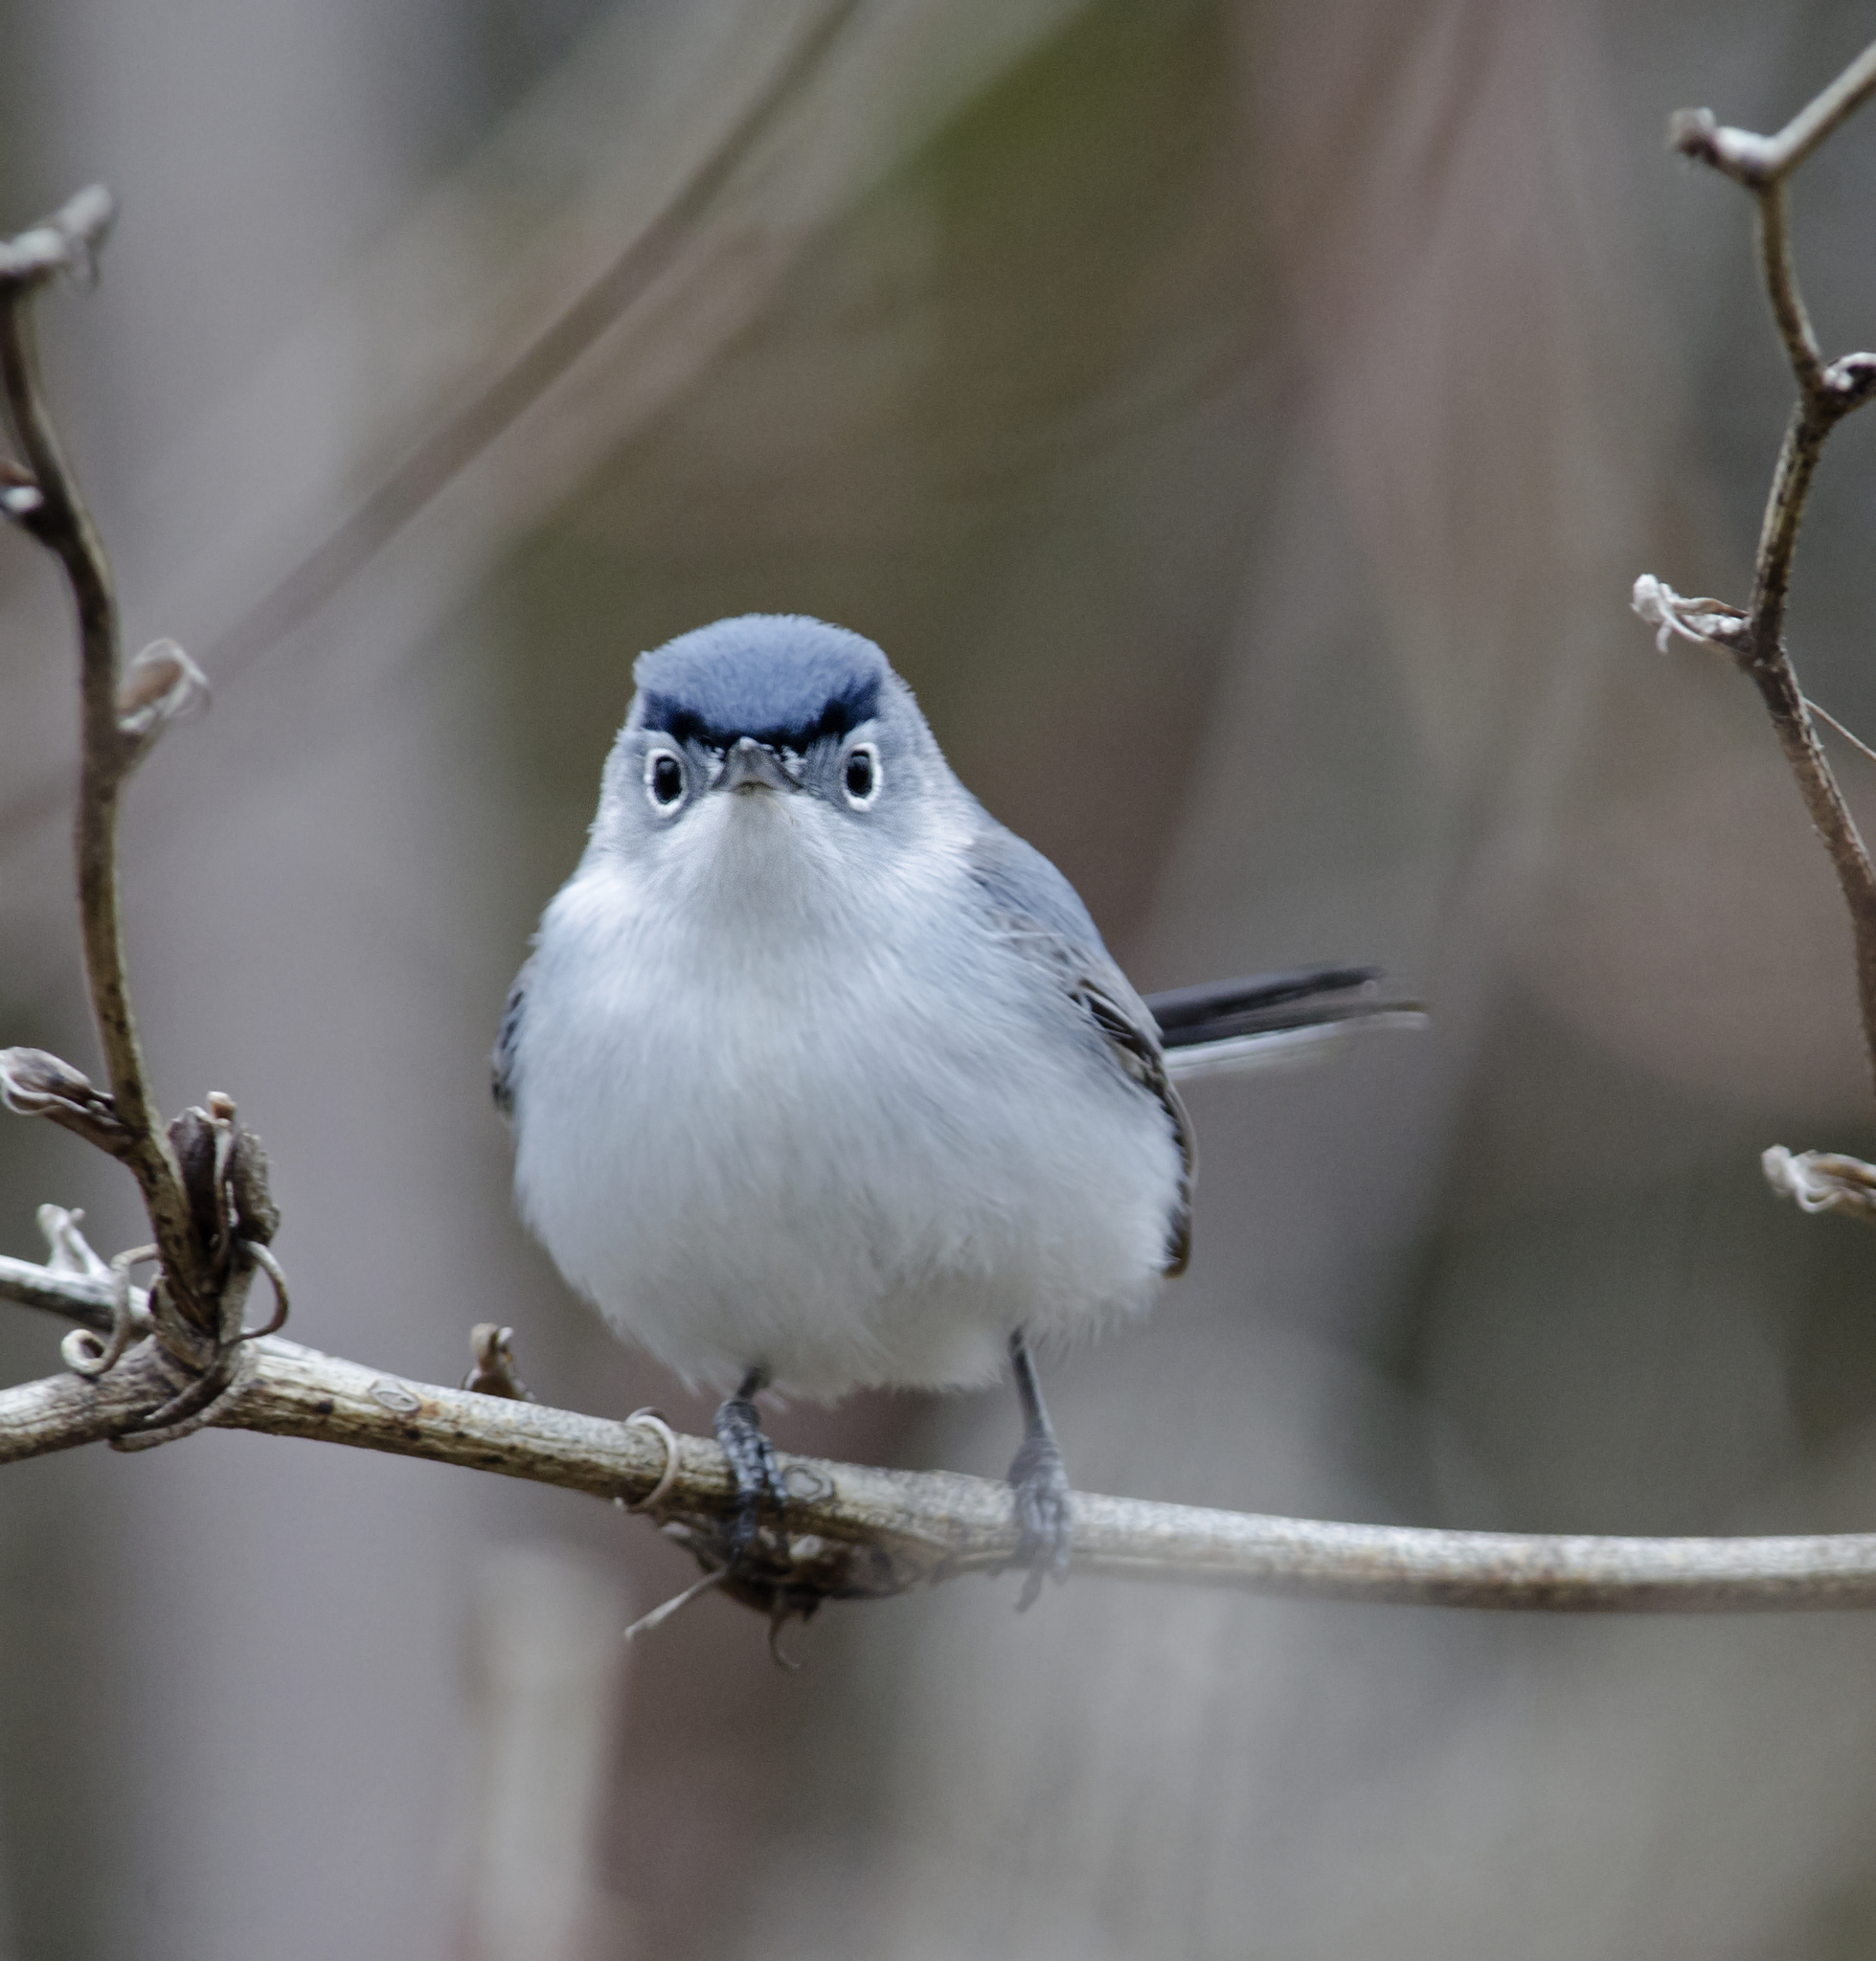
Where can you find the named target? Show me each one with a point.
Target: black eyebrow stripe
(838, 716)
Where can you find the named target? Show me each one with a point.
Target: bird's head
(772, 738)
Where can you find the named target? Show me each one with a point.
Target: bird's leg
(1045, 1521)
(739, 1430)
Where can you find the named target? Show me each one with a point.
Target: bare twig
(858, 1532)
(1827, 393)
(45, 501)
(203, 1179)
(1758, 162)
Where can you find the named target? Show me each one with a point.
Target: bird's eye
(664, 780)
(860, 777)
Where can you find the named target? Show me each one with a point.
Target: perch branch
(1827, 393)
(854, 1531)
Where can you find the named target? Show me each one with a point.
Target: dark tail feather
(1267, 1016)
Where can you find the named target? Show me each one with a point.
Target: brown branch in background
(857, 1532)
(43, 498)
(1827, 393)
(203, 1179)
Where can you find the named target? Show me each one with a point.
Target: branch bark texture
(854, 1531)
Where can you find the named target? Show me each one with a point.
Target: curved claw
(738, 1428)
(1045, 1515)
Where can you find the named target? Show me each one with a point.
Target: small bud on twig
(1822, 1180)
(35, 1084)
(68, 1250)
(20, 495)
(493, 1371)
(66, 242)
(1749, 159)
(160, 686)
(1707, 622)
(1852, 377)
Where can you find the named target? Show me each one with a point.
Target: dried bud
(1751, 159)
(1852, 379)
(1821, 1181)
(67, 1249)
(65, 242)
(493, 1373)
(256, 1217)
(35, 1084)
(1707, 622)
(160, 686)
(19, 494)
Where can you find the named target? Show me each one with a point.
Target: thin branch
(1850, 736)
(858, 1532)
(45, 501)
(1826, 395)
(1779, 272)
(1759, 162)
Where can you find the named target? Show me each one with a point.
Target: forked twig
(43, 499)
(1827, 393)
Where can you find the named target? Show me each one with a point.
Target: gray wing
(1040, 913)
(501, 1064)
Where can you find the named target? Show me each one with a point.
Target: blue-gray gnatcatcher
(820, 1077)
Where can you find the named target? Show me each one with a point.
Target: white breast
(850, 1137)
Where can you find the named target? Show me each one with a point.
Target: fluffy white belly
(848, 1150)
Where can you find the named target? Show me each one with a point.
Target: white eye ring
(657, 778)
(867, 755)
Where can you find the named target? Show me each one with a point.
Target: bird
(820, 1079)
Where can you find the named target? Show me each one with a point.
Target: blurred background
(1242, 423)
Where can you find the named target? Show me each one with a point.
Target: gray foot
(739, 1430)
(1045, 1520)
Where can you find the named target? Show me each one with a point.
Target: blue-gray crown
(780, 677)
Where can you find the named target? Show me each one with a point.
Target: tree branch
(43, 498)
(1826, 394)
(857, 1532)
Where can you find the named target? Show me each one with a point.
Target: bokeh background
(1242, 423)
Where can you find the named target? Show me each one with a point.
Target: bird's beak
(752, 765)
